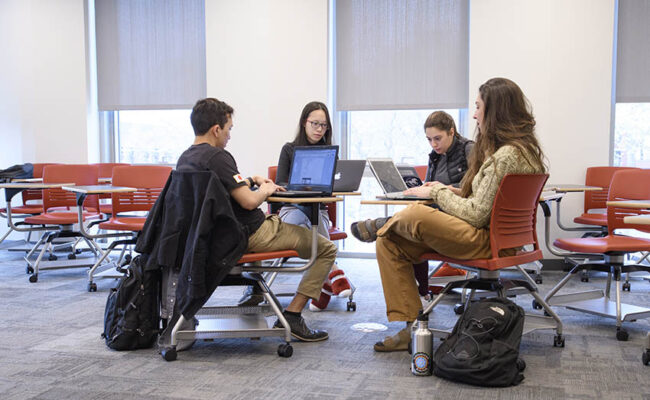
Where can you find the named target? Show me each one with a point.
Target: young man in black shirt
(212, 121)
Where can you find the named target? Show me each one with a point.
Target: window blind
(150, 53)
(633, 52)
(402, 54)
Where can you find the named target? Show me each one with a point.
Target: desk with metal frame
(81, 193)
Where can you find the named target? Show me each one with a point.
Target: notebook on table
(389, 179)
(312, 172)
(348, 175)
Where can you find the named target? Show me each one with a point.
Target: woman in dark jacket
(447, 165)
(314, 129)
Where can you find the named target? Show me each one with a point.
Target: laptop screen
(387, 174)
(313, 168)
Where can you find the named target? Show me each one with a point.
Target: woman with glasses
(314, 129)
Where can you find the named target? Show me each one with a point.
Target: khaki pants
(416, 230)
(275, 235)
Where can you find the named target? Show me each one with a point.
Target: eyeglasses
(316, 125)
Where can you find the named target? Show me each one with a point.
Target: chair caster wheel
(77, 251)
(169, 354)
(627, 286)
(584, 277)
(52, 257)
(33, 278)
(92, 287)
(127, 259)
(546, 314)
(29, 270)
(410, 348)
(536, 305)
(646, 357)
(558, 341)
(285, 350)
(538, 279)
(352, 306)
(622, 335)
(459, 309)
(72, 256)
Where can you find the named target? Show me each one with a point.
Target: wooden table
(637, 219)
(637, 204)
(346, 193)
(98, 189)
(569, 187)
(397, 202)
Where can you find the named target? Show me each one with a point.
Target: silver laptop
(348, 175)
(389, 179)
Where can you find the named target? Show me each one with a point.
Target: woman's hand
(420, 191)
(454, 190)
(431, 183)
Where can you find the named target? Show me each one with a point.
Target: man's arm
(250, 199)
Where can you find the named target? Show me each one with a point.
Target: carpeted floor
(51, 349)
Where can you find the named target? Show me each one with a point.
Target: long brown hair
(507, 120)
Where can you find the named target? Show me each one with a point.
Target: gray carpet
(51, 349)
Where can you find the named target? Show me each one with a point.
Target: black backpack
(132, 315)
(483, 348)
(18, 171)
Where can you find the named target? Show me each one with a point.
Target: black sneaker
(252, 297)
(299, 329)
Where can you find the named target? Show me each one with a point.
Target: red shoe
(340, 284)
(445, 270)
(323, 300)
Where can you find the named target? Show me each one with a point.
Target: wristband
(251, 181)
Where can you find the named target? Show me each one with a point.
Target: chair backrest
(79, 174)
(35, 194)
(106, 169)
(148, 179)
(630, 184)
(514, 212)
(422, 171)
(601, 177)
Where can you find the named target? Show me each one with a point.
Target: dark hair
(441, 120)
(208, 113)
(507, 120)
(301, 136)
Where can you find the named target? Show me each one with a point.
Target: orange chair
(149, 180)
(512, 226)
(422, 171)
(630, 184)
(105, 172)
(53, 201)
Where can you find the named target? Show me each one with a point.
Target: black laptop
(312, 172)
(348, 175)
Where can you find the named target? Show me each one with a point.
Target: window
(152, 136)
(396, 134)
(632, 135)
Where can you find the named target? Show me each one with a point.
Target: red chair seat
(591, 219)
(58, 218)
(611, 243)
(336, 234)
(36, 209)
(489, 264)
(106, 208)
(134, 224)
(252, 257)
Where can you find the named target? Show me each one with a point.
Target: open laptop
(312, 172)
(389, 179)
(348, 175)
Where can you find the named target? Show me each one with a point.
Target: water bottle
(422, 347)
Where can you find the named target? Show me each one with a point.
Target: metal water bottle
(422, 347)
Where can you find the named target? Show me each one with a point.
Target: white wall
(42, 82)
(560, 53)
(267, 59)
